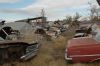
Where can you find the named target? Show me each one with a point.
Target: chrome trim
(85, 55)
(32, 51)
(66, 57)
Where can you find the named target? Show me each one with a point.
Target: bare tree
(94, 12)
(68, 19)
(76, 19)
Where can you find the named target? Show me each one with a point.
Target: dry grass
(51, 53)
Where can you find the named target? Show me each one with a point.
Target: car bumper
(31, 53)
(66, 57)
(28, 56)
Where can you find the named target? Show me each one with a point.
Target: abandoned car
(17, 50)
(79, 33)
(83, 49)
(82, 32)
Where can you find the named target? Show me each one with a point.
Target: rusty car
(83, 49)
(17, 50)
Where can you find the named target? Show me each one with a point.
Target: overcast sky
(54, 9)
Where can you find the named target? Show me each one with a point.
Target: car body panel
(81, 41)
(83, 49)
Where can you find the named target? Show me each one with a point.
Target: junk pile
(42, 34)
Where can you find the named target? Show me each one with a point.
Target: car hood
(81, 42)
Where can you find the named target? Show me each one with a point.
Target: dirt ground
(51, 53)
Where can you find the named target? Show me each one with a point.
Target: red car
(82, 50)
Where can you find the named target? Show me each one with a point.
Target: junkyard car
(82, 32)
(79, 33)
(83, 49)
(17, 50)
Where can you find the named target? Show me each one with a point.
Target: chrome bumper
(31, 52)
(28, 55)
(66, 56)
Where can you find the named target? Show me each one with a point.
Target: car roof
(10, 42)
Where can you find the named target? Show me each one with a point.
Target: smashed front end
(17, 50)
(30, 51)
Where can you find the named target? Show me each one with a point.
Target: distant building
(38, 21)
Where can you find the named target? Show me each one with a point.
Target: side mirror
(98, 2)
